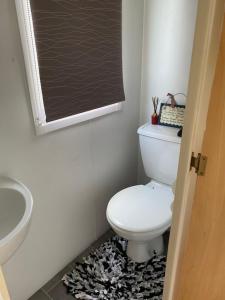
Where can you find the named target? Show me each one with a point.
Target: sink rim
(13, 184)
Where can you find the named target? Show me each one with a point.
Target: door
(205, 54)
(4, 295)
(201, 274)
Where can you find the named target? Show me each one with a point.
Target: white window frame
(33, 76)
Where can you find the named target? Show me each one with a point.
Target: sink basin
(16, 205)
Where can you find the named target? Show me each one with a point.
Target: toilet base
(143, 251)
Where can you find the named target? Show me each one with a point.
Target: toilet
(142, 213)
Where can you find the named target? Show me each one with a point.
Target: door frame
(205, 51)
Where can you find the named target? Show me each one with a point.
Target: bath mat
(108, 274)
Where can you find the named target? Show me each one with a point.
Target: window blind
(79, 49)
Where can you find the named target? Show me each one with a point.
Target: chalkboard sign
(171, 116)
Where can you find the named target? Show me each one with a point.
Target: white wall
(168, 40)
(71, 173)
(169, 28)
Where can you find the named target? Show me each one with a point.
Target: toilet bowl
(142, 213)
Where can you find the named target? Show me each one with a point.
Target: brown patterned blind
(79, 49)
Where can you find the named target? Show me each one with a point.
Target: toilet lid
(141, 208)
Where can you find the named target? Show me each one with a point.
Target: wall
(71, 173)
(167, 49)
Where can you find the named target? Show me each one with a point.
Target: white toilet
(142, 213)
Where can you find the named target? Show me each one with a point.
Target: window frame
(25, 22)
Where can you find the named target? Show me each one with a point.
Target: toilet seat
(141, 208)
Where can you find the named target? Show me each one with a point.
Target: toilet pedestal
(143, 251)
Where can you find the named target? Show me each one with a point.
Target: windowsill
(76, 119)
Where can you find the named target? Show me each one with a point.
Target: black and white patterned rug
(108, 274)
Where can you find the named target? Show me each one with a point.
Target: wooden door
(201, 272)
(4, 295)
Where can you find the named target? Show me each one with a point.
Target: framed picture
(171, 116)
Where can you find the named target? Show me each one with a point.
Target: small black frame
(174, 117)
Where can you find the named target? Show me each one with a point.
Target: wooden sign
(171, 116)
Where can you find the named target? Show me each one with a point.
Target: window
(73, 56)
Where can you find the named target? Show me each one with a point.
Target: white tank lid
(160, 132)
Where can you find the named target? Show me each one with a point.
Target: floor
(55, 290)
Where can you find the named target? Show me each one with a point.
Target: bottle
(154, 119)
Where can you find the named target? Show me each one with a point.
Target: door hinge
(199, 163)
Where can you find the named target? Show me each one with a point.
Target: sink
(16, 205)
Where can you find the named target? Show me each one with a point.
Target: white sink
(16, 205)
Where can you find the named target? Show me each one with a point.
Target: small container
(154, 119)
